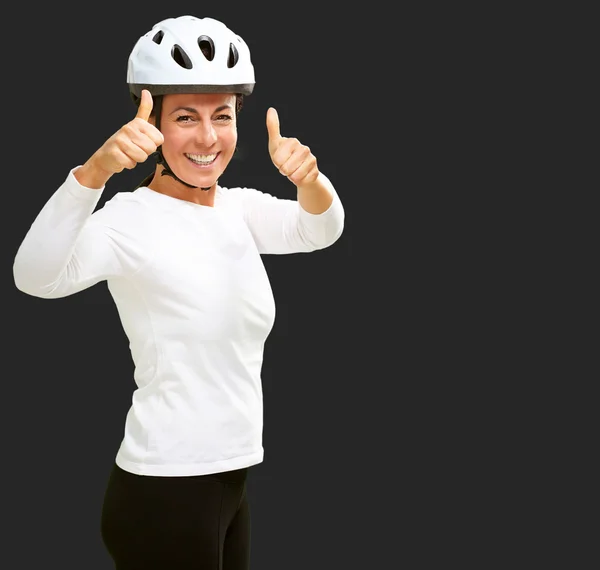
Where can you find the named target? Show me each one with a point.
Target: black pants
(177, 523)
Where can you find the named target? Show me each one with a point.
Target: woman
(181, 257)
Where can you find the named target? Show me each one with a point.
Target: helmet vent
(233, 56)
(207, 47)
(158, 37)
(181, 57)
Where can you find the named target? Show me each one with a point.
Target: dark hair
(239, 102)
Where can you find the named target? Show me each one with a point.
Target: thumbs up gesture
(133, 143)
(289, 156)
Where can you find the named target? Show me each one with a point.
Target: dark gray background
(411, 420)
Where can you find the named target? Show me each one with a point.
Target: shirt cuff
(76, 190)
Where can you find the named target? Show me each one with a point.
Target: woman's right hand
(132, 144)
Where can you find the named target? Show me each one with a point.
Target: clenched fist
(291, 158)
(133, 143)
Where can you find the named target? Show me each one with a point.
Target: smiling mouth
(202, 159)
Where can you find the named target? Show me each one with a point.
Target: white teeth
(202, 158)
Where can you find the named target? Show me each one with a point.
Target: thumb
(273, 126)
(145, 107)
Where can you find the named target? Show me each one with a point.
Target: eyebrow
(192, 110)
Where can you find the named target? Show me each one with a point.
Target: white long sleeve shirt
(194, 300)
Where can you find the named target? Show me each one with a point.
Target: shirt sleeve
(69, 247)
(282, 226)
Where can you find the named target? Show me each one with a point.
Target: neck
(171, 187)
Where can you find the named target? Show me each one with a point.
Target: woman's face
(200, 135)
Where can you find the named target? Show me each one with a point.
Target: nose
(207, 136)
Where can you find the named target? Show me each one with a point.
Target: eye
(184, 118)
(224, 118)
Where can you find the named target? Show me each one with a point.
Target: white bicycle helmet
(190, 55)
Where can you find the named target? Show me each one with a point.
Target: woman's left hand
(289, 155)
